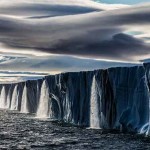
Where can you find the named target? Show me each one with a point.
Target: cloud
(54, 64)
(75, 28)
(53, 36)
(123, 1)
(12, 77)
(44, 10)
(51, 8)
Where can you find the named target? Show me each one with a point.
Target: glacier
(115, 98)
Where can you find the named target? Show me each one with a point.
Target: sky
(40, 37)
(123, 1)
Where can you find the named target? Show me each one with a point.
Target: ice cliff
(115, 98)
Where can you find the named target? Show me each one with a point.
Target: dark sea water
(23, 131)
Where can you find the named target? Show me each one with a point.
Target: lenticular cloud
(75, 27)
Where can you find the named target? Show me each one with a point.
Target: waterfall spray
(43, 108)
(94, 107)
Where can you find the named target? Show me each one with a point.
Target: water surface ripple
(23, 131)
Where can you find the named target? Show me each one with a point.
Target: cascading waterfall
(14, 101)
(58, 102)
(146, 127)
(24, 103)
(67, 105)
(38, 92)
(94, 107)
(3, 98)
(44, 102)
(8, 99)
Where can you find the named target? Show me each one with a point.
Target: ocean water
(24, 131)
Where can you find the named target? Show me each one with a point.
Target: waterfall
(43, 108)
(38, 92)
(54, 97)
(145, 129)
(94, 107)
(14, 101)
(8, 99)
(67, 103)
(24, 103)
(3, 98)
(148, 129)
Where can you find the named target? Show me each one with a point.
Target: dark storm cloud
(119, 46)
(96, 34)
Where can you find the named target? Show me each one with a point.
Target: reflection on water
(23, 131)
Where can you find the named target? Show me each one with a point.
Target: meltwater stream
(23, 131)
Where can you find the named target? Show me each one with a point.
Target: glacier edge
(114, 98)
